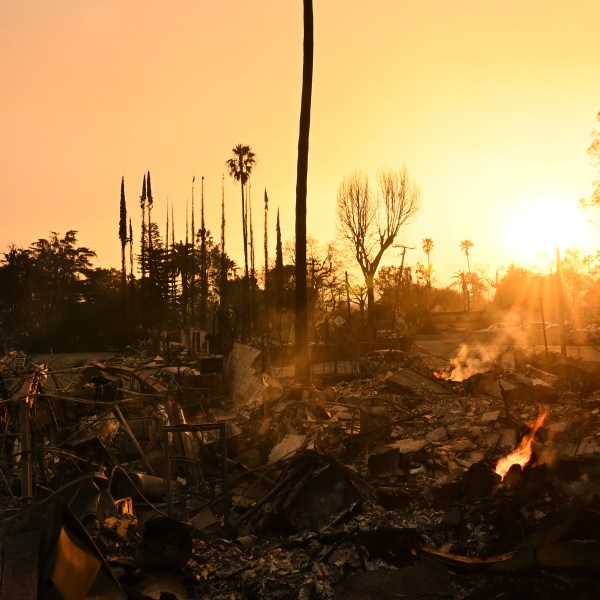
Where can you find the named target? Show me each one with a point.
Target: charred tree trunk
(303, 362)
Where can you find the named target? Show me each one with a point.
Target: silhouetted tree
(143, 258)
(302, 374)
(17, 284)
(181, 259)
(151, 235)
(131, 278)
(240, 167)
(370, 224)
(427, 245)
(130, 241)
(266, 249)
(193, 263)
(461, 279)
(252, 310)
(223, 300)
(465, 246)
(278, 264)
(204, 264)
(123, 238)
(61, 268)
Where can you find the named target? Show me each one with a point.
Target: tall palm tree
(427, 245)
(465, 246)
(461, 280)
(240, 167)
(302, 374)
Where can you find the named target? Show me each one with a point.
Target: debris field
(173, 477)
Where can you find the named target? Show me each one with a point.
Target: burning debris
(131, 478)
(522, 455)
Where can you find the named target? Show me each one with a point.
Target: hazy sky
(489, 104)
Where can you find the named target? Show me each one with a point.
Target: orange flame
(522, 455)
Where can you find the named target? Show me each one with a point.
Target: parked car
(534, 332)
(498, 327)
(496, 332)
(537, 326)
(586, 336)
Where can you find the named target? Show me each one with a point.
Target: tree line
(52, 296)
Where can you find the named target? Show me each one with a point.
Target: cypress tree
(223, 279)
(150, 252)
(203, 264)
(131, 275)
(266, 248)
(193, 264)
(123, 238)
(278, 264)
(143, 257)
(252, 279)
(143, 254)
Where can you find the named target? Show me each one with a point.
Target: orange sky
(489, 104)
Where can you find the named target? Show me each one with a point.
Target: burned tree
(123, 238)
(266, 250)
(369, 221)
(302, 366)
(223, 299)
(279, 275)
(203, 234)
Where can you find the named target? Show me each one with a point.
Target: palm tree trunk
(303, 363)
(246, 322)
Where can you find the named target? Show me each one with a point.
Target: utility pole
(404, 249)
(561, 304)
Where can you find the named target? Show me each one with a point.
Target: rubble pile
(174, 477)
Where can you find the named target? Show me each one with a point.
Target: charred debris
(143, 476)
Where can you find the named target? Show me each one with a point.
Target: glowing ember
(522, 455)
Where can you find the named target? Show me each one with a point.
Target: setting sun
(536, 229)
